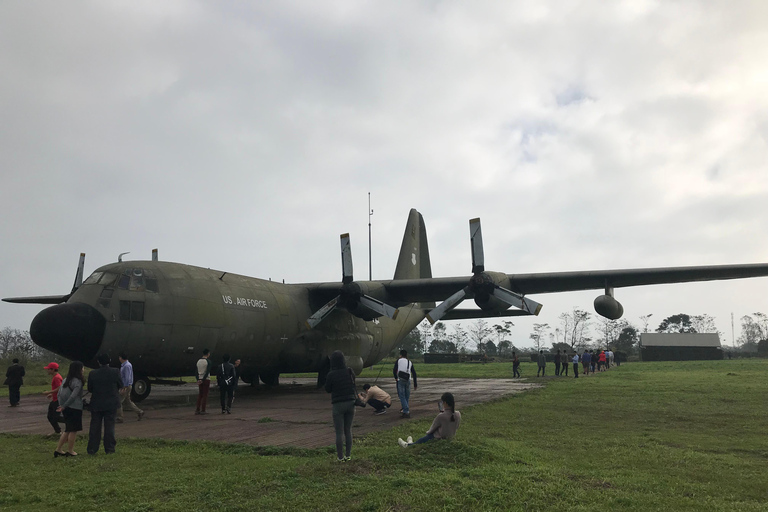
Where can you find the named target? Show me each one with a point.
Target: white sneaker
(409, 440)
(401, 442)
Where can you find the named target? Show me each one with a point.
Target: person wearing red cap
(53, 394)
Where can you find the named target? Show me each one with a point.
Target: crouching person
(376, 398)
(445, 425)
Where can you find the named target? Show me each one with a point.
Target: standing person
(585, 361)
(564, 362)
(71, 406)
(340, 383)
(557, 363)
(515, 365)
(444, 426)
(104, 384)
(225, 378)
(542, 364)
(126, 374)
(377, 397)
(53, 394)
(14, 379)
(601, 367)
(592, 361)
(403, 372)
(203, 381)
(575, 360)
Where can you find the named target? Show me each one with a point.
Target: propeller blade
(447, 305)
(379, 307)
(79, 274)
(346, 259)
(476, 239)
(319, 315)
(518, 301)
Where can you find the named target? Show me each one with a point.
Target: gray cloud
(246, 137)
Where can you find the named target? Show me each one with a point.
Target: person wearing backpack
(403, 372)
(226, 378)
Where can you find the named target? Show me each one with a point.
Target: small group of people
(341, 384)
(227, 377)
(597, 362)
(107, 389)
(590, 361)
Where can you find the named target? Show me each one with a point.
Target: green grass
(646, 436)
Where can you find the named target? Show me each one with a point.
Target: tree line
(577, 330)
(15, 343)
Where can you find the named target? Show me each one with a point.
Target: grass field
(645, 436)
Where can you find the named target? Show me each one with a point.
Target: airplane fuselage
(162, 315)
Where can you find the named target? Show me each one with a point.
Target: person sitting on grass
(376, 398)
(445, 425)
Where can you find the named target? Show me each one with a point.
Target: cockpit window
(138, 280)
(108, 279)
(93, 278)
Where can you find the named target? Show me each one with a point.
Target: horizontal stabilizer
(48, 299)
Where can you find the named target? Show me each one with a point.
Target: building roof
(679, 340)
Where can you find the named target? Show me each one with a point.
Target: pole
(370, 264)
(733, 333)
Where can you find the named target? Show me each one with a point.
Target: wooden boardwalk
(291, 414)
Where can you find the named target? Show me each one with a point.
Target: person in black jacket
(104, 384)
(14, 379)
(226, 378)
(340, 383)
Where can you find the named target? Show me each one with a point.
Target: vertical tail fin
(413, 262)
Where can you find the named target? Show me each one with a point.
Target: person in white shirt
(403, 371)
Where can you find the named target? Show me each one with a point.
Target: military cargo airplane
(164, 314)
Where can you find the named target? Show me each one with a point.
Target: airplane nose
(73, 330)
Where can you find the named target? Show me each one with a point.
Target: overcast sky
(246, 136)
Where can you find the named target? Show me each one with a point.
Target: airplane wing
(437, 289)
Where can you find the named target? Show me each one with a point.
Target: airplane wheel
(141, 388)
(270, 378)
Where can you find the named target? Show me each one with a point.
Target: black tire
(141, 388)
(270, 378)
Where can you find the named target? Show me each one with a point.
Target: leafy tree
(539, 335)
(17, 343)
(644, 319)
(752, 332)
(611, 330)
(440, 341)
(502, 331)
(459, 338)
(627, 339)
(479, 332)
(489, 349)
(576, 327)
(505, 348)
(704, 324)
(676, 323)
(442, 347)
(412, 343)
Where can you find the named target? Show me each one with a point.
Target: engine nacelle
(610, 308)
(491, 303)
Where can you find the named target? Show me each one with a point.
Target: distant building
(679, 347)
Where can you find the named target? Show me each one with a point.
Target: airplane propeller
(351, 295)
(481, 285)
